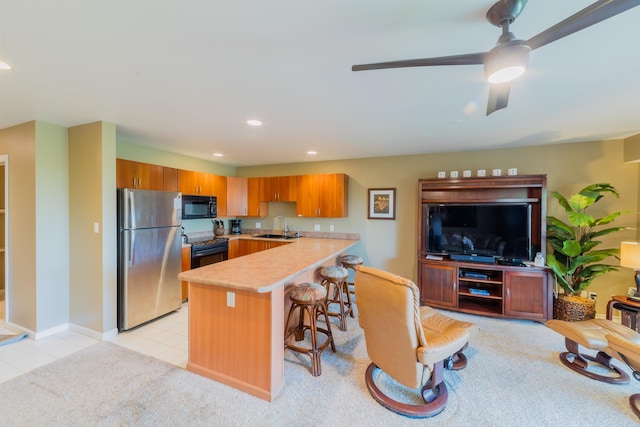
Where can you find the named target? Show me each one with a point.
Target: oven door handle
(210, 251)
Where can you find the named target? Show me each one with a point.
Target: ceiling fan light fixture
(507, 62)
(506, 74)
(5, 66)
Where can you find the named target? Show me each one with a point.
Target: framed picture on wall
(382, 203)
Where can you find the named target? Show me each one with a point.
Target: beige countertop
(266, 270)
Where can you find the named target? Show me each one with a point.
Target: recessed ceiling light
(5, 66)
(312, 153)
(254, 122)
(218, 155)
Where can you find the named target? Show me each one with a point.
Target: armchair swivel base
(591, 334)
(434, 393)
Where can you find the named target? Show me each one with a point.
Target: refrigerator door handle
(131, 207)
(130, 245)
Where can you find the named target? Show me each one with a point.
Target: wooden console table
(629, 310)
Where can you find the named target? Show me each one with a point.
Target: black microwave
(194, 207)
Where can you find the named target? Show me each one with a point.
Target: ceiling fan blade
(498, 96)
(590, 15)
(466, 59)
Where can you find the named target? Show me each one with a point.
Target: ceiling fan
(510, 56)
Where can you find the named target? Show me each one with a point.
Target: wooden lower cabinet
(186, 265)
(242, 247)
(234, 248)
(527, 295)
(490, 290)
(439, 285)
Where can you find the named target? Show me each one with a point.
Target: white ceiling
(184, 75)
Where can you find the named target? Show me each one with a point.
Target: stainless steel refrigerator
(149, 255)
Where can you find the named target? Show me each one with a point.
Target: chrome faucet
(284, 224)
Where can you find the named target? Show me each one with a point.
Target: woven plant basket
(573, 308)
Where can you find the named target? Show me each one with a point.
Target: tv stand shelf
(514, 292)
(485, 288)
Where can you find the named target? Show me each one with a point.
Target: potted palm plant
(574, 253)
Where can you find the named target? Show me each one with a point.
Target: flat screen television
(487, 230)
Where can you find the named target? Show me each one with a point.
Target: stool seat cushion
(351, 260)
(308, 292)
(334, 272)
(592, 333)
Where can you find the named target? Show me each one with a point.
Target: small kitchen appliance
(195, 207)
(234, 225)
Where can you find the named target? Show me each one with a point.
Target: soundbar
(473, 258)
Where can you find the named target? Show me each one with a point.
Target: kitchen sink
(275, 236)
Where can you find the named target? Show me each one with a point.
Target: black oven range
(207, 252)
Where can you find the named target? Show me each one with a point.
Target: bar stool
(334, 279)
(309, 298)
(351, 261)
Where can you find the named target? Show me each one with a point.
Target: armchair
(627, 352)
(411, 344)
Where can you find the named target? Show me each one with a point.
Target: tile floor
(164, 338)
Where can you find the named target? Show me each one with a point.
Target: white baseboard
(96, 335)
(51, 331)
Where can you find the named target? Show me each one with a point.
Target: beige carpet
(514, 378)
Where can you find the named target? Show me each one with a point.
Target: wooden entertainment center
(486, 288)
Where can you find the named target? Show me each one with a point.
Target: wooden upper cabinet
(279, 189)
(322, 195)
(218, 185)
(315, 195)
(333, 195)
(255, 205)
(237, 191)
(141, 176)
(170, 179)
(194, 183)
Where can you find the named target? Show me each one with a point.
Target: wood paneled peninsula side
(237, 310)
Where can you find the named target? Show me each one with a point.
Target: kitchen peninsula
(237, 310)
